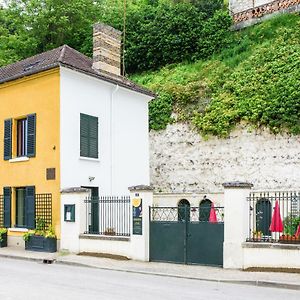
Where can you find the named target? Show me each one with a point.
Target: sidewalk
(271, 279)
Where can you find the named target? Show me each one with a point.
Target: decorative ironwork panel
(43, 210)
(190, 214)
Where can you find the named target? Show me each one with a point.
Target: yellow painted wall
(38, 94)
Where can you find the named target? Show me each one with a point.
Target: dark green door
(263, 216)
(174, 237)
(167, 241)
(205, 243)
(94, 210)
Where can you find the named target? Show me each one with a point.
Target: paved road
(26, 280)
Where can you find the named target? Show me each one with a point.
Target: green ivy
(256, 79)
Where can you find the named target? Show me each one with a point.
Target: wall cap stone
(104, 238)
(262, 245)
(237, 184)
(140, 188)
(74, 190)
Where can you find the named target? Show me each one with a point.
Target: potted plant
(291, 224)
(3, 237)
(41, 240)
(257, 235)
(109, 231)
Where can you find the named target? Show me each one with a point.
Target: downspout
(111, 137)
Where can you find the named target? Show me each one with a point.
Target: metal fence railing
(108, 215)
(274, 217)
(187, 213)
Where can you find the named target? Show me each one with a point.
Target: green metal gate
(186, 239)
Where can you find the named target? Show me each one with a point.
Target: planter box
(4, 242)
(41, 244)
(289, 241)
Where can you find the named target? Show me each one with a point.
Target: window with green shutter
(24, 139)
(88, 136)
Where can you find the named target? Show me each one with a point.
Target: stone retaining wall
(183, 162)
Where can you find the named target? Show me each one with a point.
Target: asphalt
(194, 272)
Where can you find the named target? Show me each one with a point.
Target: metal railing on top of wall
(108, 215)
(274, 217)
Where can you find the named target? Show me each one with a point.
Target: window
(21, 137)
(88, 136)
(24, 140)
(20, 207)
(24, 200)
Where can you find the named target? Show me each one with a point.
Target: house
(68, 121)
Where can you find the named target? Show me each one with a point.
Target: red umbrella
(297, 234)
(276, 223)
(212, 215)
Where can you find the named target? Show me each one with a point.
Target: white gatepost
(141, 198)
(73, 218)
(236, 223)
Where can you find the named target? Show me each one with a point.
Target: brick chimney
(107, 49)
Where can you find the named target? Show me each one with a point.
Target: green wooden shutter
(7, 139)
(30, 207)
(7, 207)
(84, 135)
(93, 137)
(88, 136)
(31, 135)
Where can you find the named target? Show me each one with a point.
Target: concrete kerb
(58, 260)
(259, 283)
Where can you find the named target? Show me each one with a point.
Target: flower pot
(3, 243)
(41, 244)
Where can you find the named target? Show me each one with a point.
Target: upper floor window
(88, 136)
(20, 137)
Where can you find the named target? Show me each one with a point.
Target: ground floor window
(20, 207)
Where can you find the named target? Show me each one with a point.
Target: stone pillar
(107, 49)
(140, 242)
(70, 230)
(236, 223)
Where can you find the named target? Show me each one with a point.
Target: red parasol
(276, 223)
(212, 215)
(297, 234)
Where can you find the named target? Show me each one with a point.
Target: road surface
(26, 280)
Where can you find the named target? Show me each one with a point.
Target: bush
(167, 34)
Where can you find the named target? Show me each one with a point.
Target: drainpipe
(111, 137)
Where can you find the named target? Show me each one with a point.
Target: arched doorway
(204, 210)
(184, 210)
(263, 216)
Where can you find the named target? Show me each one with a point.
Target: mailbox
(69, 215)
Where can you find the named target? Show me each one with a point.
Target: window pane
(20, 207)
(21, 137)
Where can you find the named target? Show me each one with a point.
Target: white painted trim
(19, 159)
(18, 229)
(90, 159)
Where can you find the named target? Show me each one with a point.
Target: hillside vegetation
(254, 79)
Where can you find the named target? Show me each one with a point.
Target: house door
(94, 210)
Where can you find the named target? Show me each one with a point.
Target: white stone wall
(182, 162)
(271, 256)
(237, 6)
